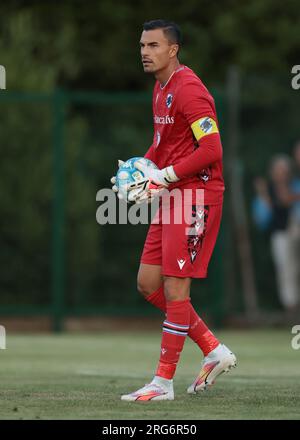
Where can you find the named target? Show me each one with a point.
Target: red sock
(158, 299)
(175, 330)
(198, 331)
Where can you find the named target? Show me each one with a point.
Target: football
(128, 174)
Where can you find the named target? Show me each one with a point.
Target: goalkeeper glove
(154, 182)
(113, 180)
(134, 195)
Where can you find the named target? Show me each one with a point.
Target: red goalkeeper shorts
(183, 249)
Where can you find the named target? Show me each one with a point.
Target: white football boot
(218, 361)
(158, 389)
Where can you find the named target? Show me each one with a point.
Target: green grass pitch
(81, 376)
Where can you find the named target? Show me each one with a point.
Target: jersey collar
(181, 67)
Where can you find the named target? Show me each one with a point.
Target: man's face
(156, 50)
(297, 154)
(280, 171)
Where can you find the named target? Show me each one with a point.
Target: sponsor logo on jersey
(169, 100)
(164, 119)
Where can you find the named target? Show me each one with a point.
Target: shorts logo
(163, 351)
(169, 100)
(181, 263)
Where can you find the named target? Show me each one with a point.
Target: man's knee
(149, 279)
(143, 286)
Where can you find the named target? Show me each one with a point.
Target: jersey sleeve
(209, 152)
(150, 153)
(198, 109)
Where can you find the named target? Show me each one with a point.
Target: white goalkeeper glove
(113, 180)
(134, 195)
(153, 183)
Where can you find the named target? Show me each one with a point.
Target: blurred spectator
(274, 209)
(295, 216)
(295, 186)
(262, 204)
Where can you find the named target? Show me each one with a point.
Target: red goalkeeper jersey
(185, 121)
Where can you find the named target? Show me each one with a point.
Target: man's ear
(174, 50)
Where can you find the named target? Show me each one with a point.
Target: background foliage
(93, 46)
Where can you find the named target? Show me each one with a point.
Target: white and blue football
(128, 174)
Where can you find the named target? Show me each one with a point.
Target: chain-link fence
(58, 150)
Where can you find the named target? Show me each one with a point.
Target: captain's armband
(204, 126)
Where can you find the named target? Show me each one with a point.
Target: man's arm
(149, 154)
(208, 152)
(197, 106)
(261, 187)
(286, 197)
(206, 132)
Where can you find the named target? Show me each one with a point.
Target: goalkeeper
(188, 152)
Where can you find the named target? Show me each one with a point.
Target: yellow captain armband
(204, 126)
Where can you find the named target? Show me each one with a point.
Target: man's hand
(136, 195)
(160, 178)
(152, 184)
(113, 180)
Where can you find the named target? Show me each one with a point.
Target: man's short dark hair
(170, 29)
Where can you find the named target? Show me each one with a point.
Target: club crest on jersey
(206, 125)
(169, 100)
